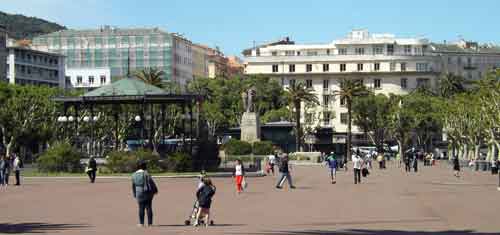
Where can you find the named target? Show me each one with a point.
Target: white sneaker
(498, 188)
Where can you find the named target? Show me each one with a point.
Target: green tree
(25, 110)
(152, 76)
(372, 113)
(298, 93)
(451, 84)
(349, 89)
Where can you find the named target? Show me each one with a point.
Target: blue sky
(234, 25)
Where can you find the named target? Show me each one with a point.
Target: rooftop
(106, 30)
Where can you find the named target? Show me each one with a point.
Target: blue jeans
(1, 178)
(147, 206)
(283, 177)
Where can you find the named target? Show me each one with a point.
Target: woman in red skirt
(239, 173)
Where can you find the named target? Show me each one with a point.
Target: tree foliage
(23, 27)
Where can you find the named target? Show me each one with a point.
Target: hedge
(262, 148)
(237, 147)
(61, 157)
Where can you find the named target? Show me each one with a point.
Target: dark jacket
(92, 164)
(283, 168)
(143, 186)
(204, 196)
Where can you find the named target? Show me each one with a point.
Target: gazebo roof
(128, 91)
(127, 86)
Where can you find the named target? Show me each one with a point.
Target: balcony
(471, 66)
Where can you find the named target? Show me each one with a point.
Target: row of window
(421, 67)
(36, 59)
(327, 117)
(377, 83)
(375, 50)
(112, 40)
(90, 79)
(34, 71)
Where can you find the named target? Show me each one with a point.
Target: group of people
(144, 189)
(8, 165)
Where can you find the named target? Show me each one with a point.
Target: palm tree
(296, 94)
(450, 85)
(152, 76)
(349, 89)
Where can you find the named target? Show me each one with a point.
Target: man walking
(18, 164)
(331, 160)
(356, 165)
(92, 169)
(284, 173)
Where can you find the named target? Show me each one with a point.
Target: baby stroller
(192, 217)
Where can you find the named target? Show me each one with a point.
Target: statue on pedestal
(250, 125)
(248, 96)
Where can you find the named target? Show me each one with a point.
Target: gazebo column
(190, 128)
(184, 126)
(151, 127)
(115, 109)
(163, 124)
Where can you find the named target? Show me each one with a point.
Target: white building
(87, 78)
(383, 62)
(27, 66)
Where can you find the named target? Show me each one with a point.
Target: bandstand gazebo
(148, 100)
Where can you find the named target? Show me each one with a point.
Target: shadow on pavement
(21, 228)
(215, 225)
(374, 232)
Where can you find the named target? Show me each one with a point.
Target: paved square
(387, 202)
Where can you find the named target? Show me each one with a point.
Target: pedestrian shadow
(373, 232)
(22, 228)
(215, 225)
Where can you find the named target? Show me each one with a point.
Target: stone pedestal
(250, 127)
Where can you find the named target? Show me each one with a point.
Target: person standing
(3, 165)
(271, 160)
(407, 159)
(239, 173)
(144, 189)
(415, 162)
(92, 169)
(356, 165)
(284, 173)
(331, 160)
(456, 167)
(6, 170)
(17, 165)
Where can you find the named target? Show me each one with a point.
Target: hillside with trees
(24, 27)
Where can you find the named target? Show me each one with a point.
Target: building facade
(212, 63)
(3, 53)
(122, 50)
(26, 66)
(87, 79)
(382, 62)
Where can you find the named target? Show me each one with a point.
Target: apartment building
(212, 63)
(3, 53)
(26, 66)
(87, 79)
(382, 62)
(122, 50)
